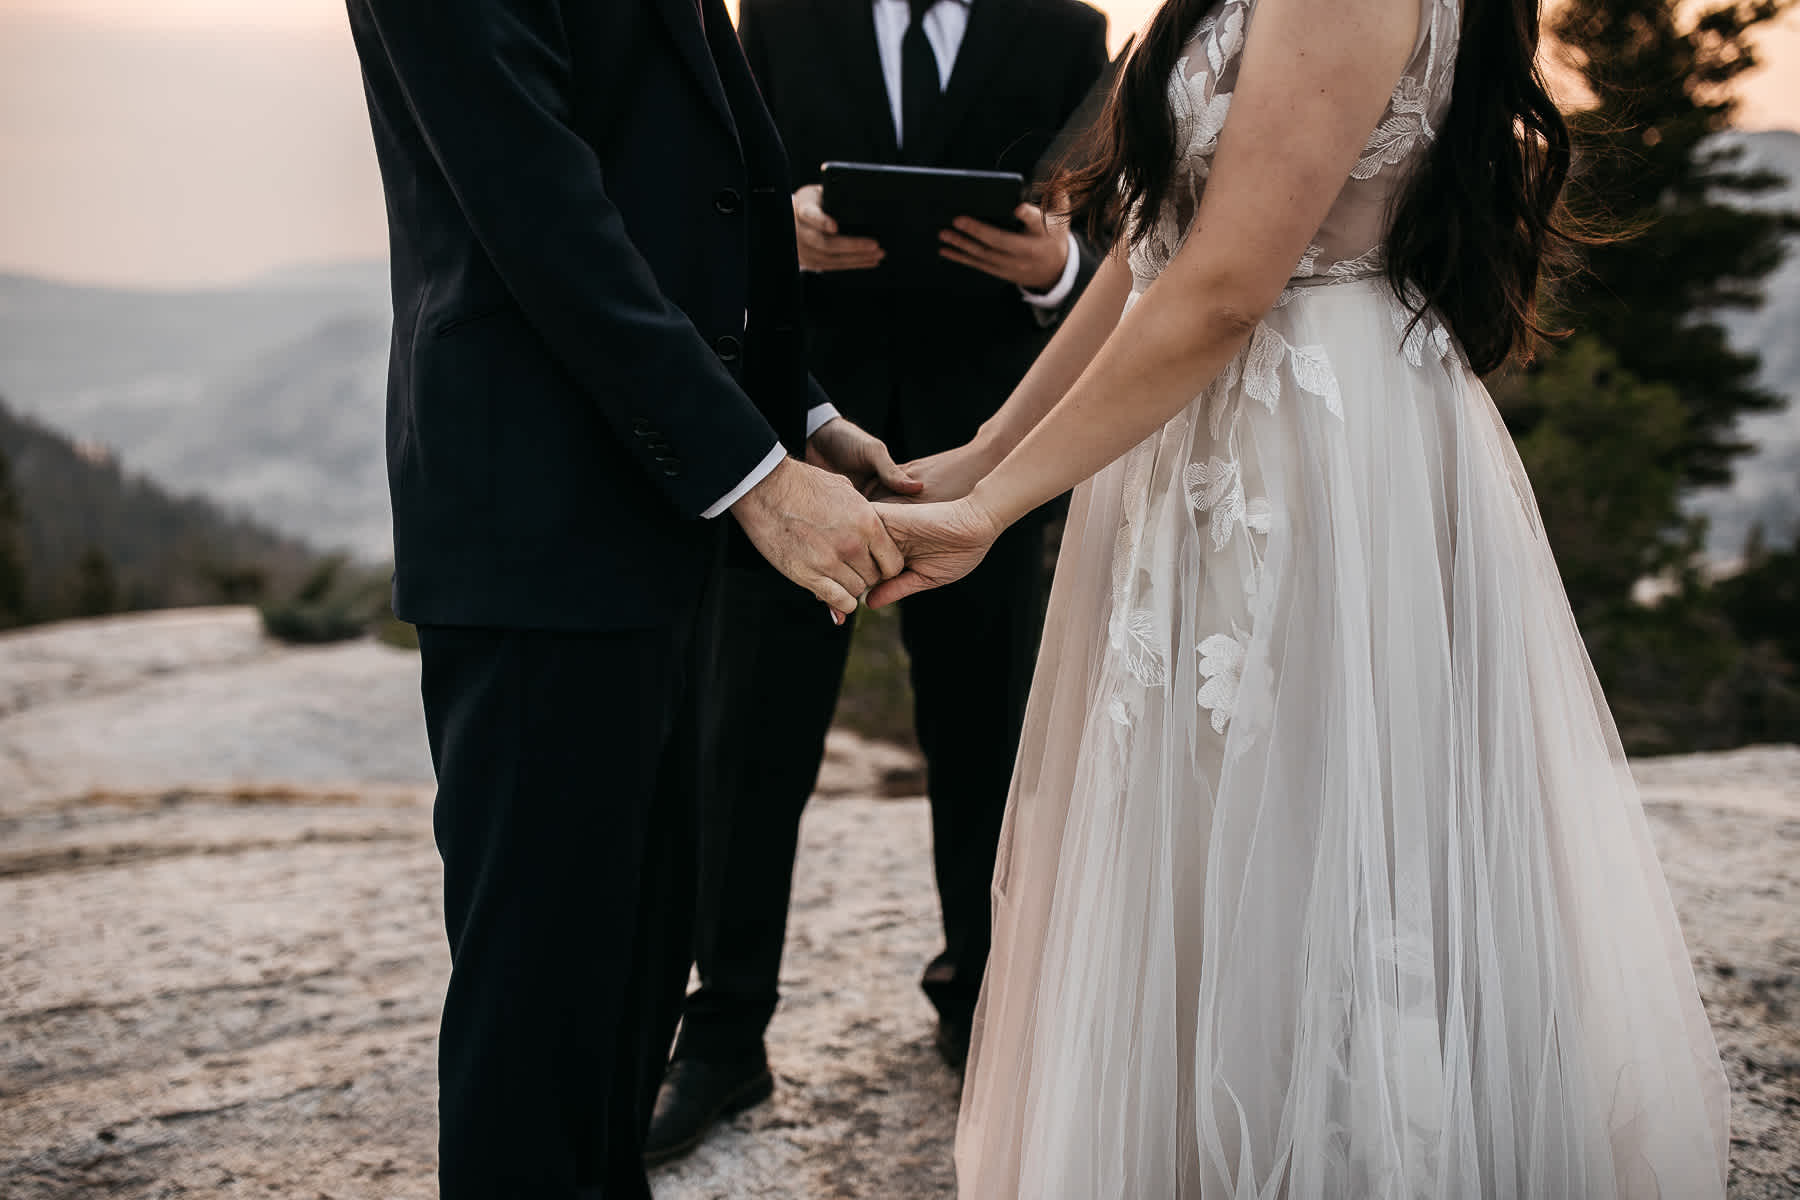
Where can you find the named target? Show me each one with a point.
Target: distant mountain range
(268, 397)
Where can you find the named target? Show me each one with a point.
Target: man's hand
(950, 475)
(1033, 259)
(822, 248)
(859, 456)
(818, 531)
(941, 542)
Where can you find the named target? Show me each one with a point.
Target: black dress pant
(972, 647)
(566, 817)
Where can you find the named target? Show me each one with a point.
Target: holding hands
(940, 543)
(950, 475)
(816, 529)
(940, 531)
(813, 521)
(859, 456)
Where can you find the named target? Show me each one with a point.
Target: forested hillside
(265, 397)
(80, 535)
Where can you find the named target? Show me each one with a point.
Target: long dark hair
(1473, 230)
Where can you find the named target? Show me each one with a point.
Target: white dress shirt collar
(945, 25)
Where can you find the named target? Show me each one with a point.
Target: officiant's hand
(822, 247)
(941, 543)
(1033, 259)
(859, 456)
(816, 529)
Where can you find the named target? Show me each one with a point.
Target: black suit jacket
(597, 325)
(924, 369)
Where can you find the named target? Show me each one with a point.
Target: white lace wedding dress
(1323, 874)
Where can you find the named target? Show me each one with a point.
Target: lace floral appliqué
(1216, 488)
(1222, 658)
(1418, 327)
(1214, 477)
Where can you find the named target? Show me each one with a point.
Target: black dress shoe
(697, 1094)
(953, 1043)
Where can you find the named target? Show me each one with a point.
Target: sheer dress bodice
(1349, 244)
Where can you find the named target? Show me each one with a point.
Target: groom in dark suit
(922, 358)
(596, 354)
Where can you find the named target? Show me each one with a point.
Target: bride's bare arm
(951, 474)
(1315, 78)
(1073, 347)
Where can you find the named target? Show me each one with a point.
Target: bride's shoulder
(1220, 31)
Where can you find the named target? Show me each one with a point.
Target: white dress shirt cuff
(763, 470)
(816, 417)
(1056, 295)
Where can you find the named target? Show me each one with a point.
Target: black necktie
(920, 88)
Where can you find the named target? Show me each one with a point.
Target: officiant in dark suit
(920, 358)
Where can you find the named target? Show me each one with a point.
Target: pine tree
(1650, 164)
(1610, 507)
(1762, 599)
(1701, 667)
(96, 588)
(12, 550)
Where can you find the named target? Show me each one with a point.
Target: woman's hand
(846, 448)
(940, 542)
(950, 475)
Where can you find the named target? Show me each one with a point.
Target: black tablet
(904, 208)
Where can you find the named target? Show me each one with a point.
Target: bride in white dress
(1323, 873)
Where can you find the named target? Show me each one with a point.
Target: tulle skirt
(1323, 874)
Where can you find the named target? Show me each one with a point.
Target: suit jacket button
(671, 467)
(727, 201)
(728, 348)
(640, 426)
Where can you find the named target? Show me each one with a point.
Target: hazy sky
(190, 142)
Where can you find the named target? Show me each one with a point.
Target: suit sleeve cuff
(763, 470)
(1055, 297)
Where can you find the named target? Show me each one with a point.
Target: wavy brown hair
(1473, 230)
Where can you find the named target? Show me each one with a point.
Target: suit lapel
(986, 43)
(848, 37)
(684, 24)
(764, 157)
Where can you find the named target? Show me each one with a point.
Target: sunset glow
(1771, 96)
(186, 14)
(185, 142)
